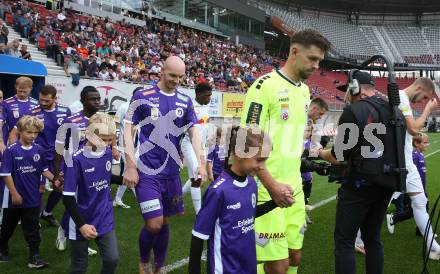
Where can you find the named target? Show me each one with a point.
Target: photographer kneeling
(365, 154)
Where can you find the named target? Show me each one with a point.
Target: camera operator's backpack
(381, 171)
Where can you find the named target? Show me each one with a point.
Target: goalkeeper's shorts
(280, 230)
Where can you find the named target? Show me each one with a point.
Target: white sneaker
(390, 224)
(61, 239)
(434, 255)
(91, 252)
(120, 204)
(309, 207)
(48, 186)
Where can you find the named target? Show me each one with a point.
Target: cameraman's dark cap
(364, 78)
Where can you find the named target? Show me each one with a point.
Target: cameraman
(365, 192)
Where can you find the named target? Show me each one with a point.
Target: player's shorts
(159, 197)
(413, 180)
(280, 230)
(190, 159)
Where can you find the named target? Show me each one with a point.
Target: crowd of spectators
(89, 46)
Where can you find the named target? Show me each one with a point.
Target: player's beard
(305, 74)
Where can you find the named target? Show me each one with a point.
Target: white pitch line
(178, 264)
(328, 200)
(323, 202)
(185, 261)
(432, 153)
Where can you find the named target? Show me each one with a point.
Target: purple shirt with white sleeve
(15, 108)
(163, 119)
(25, 165)
(4, 124)
(52, 121)
(217, 157)
(419, 161)
(78, 120)
(89, 181)
(226, 219)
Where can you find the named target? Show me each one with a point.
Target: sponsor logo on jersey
(18, 158)
(148, 92)
(62, 115)
(181, 105)
(35, 110)
(182, 97)
(254, 113)
(272, 236)
(90, 169)
(283, 93)
(221, 181)
(234, 206)
(284, 99)
(153, 99)
(149, 206)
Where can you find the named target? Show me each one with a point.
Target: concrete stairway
(37, 56)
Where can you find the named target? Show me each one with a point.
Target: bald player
(163, 115)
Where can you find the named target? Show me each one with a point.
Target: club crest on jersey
(60, 121)
(254, 200)
(179, 112)
(154, 113)
(16, 113)
(36, 157)
(108, 166)
(285, 112)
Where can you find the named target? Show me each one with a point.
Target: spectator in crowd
(24, 53)
(219, 61)
(92, 67)
(12, 48)
(73, 68)
(4, 32)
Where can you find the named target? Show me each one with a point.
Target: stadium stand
(401, 43)
(134, 52)
(127, 52)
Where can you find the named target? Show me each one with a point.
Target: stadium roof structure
(366, 6)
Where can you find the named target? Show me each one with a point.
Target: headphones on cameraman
(353, 85)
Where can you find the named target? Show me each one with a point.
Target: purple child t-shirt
(226, 220)
(88, 180)
(25, 165)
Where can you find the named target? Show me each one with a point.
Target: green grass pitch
(403, 250)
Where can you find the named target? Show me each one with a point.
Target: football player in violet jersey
(163, 115)
(18, 105)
